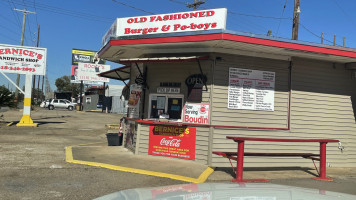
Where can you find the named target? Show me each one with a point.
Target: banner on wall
(172, 141)
(22, 60)
(196, 113)
(251, 89)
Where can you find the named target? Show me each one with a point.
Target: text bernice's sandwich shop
(192, 83)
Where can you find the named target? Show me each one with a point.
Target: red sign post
(172, 141)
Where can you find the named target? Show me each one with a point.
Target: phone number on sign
(18, 68)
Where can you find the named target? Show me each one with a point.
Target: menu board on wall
(251, 89)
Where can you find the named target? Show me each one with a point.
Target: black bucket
(114, 139)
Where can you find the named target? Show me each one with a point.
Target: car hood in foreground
(230, 191)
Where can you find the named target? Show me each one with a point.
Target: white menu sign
(251, 89)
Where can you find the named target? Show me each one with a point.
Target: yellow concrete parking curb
(202, 178)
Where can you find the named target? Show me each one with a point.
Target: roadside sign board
(89, 72)
(22, 59)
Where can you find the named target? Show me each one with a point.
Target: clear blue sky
(68, 24)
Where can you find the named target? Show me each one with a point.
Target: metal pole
(80, 97)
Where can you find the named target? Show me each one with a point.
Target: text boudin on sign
(174, 22)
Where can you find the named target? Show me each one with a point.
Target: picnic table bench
(239, 155)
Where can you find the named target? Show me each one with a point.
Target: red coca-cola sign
(172, 141)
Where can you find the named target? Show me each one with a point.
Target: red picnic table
(239, 155)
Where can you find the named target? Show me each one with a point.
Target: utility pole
(196, 4)
(296, 20)
(22, 38)
(34, 76)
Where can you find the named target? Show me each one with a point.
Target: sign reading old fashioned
(196, 113)
(169, 23)
(251, 89)
(172, 141)
(22, 59)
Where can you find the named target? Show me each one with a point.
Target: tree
(6, 97)
(63, 84)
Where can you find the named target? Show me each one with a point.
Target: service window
(166, 104)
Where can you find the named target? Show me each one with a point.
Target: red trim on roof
(152, 60)
(236, 38)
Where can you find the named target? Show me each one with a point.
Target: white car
(61, 103)
(45, 103)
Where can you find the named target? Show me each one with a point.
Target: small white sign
(201, 20)
(195, 113)
(168, 90)
(89, 72)
(22, 59)
(251, 89)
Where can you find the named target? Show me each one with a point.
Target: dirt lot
(32, 160)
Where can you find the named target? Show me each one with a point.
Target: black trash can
(114, 139)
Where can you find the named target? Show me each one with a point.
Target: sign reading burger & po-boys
(169, 23)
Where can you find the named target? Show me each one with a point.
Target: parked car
(45, 103)
(61, 103)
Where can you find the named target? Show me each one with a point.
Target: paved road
(32, 160)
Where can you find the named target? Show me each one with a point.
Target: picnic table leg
(322, 175)
(240, 165)
(240, 161)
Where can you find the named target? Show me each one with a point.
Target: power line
(258, 16)
(8, 37)
(62, 11)
(9, 29)
(178, 2)
(34, 6)
(316, 35)
(279, 24)
(343, 11)
(133, 7)
(15, 15)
